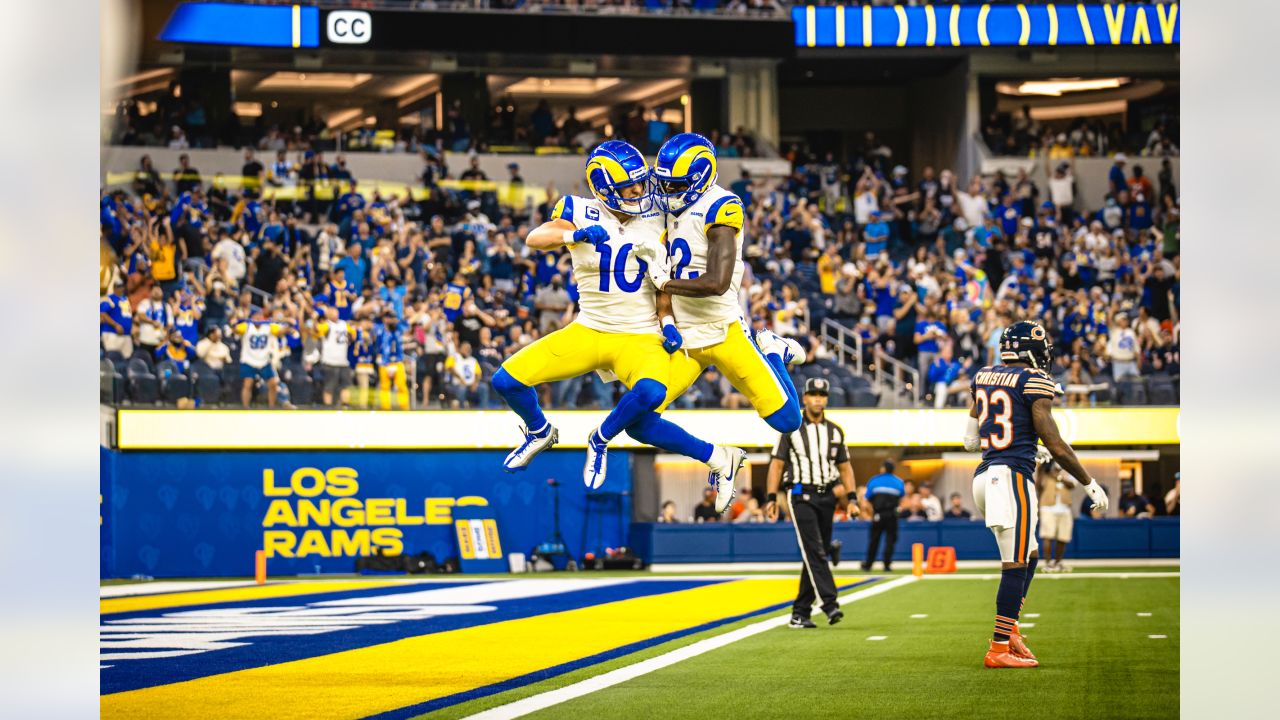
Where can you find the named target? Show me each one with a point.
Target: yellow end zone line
(367, 681)
(257, 592)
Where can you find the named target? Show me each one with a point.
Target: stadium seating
(144, 387)
(208, 384)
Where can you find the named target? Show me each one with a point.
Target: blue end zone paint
(457, 698)
(265, 650)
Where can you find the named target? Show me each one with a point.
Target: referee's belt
(809, 492)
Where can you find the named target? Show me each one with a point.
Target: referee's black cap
(817, 386)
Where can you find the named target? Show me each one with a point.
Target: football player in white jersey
(702, 272)
(617, 329)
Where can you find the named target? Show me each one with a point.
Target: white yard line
(156, 588)
(1080, 576)
(853, 565)
(547, 699)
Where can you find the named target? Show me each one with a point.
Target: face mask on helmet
(633, 198)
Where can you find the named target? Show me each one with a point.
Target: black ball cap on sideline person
(817, 386)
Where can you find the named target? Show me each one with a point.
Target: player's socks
(1013, 581)
(787, 418)
(1031, 573)
(522, 399)
(644, 398)
(653, 429)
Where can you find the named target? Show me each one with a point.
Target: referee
(812, 465)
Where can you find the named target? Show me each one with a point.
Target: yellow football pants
(576, 350)
(740, 361)
(393, 372)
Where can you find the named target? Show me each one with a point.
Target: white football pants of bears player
(1007, 499)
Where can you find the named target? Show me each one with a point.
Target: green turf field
(1097, 659)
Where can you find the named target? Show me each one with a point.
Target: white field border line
(1054, 576)
(544, 700)
(794, 565)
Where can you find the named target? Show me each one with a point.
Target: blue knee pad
(522, 399)
(787, 418)
(645, 397)
(650, 393)
(505, 384)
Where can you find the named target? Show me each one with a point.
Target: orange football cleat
(1000, 657)
(1018, 646)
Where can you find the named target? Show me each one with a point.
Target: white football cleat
(771, 343)
(534, 443)
(597, 453)
(725, 479)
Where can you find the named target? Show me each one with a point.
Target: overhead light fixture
(312, 81)
(247, 109)
(1057, 87)
(584, 86)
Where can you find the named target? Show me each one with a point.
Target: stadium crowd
(927, 270)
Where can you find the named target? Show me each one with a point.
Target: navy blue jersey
(1004, 395)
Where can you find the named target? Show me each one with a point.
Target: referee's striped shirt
(812, 455)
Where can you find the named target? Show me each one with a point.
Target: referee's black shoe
(836, 546)
(799, 623)
(835, 616)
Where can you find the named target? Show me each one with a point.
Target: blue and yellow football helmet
(615, 165)
(684, 171)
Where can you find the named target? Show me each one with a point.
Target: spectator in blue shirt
(115, 321)
(392, 293)
(929, 331)
(947, 376)
(742, 187)
(1116, 177)
(884, 492)
(347, 203)
(354, 267)
(1008, 216)
(876, 234)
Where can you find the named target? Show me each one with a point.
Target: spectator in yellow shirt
(828, 262)
(164, 259)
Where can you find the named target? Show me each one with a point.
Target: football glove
(593, 235)
(659, 274)
(1097, 495)
(1043, 456)
(671, 339)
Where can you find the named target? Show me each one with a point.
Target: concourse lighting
(1056, 87)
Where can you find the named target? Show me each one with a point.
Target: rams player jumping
(702, 271)
(1012, 411)
(617, 329)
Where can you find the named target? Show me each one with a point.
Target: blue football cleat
(594, 469)
(534, 443)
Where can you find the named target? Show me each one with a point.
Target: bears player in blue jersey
(1011, 414)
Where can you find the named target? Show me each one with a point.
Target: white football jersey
(335, 340)
(255, 346)
(615, 293)
(704, 321)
